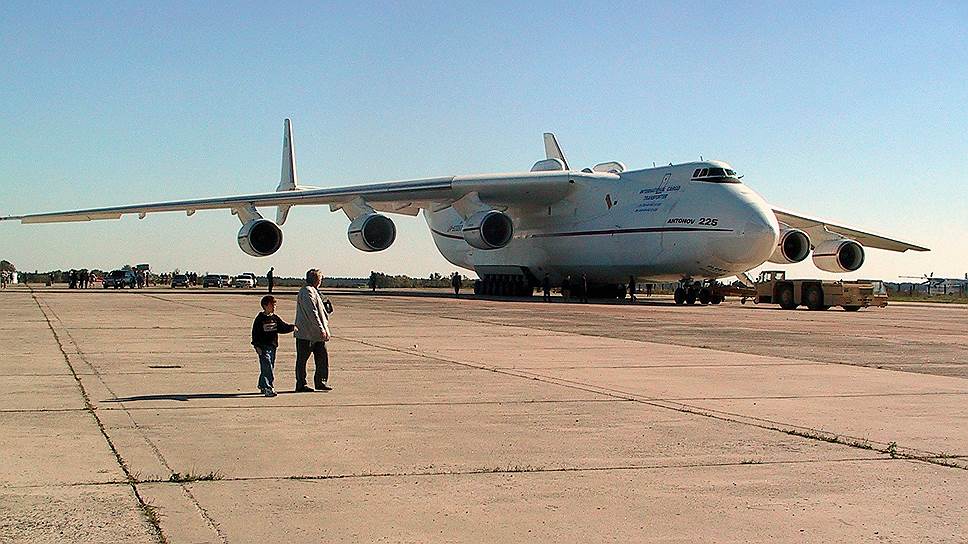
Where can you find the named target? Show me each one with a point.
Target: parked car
(179, 280)
(119, 279)
(214, 280)
(245, 280)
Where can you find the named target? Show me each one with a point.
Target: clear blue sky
(849, 112)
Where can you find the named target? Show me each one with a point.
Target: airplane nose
(754, 239)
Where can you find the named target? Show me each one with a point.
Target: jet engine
(372, 232)
(793, 247)
(489, 229)
(841, 255)
(260, 237)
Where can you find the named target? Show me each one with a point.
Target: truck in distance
(773, 287)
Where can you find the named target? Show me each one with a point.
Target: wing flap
(819, 230)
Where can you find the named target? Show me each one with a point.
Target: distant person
(648, 289)
(265, 339)
(372, 281)
(3, 279)
(455, 281)
(312, 333)
(140, 279)
(566, 287)
(584, 288)
(91, 279)
(270, 279)
(72, 280)
(546, 287)
(632, 289)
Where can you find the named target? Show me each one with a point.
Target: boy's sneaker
(269, 392)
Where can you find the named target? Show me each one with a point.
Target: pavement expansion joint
(149, 511)
(146, 509)
(529, 469)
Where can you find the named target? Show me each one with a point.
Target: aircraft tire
(716, 299)
(851, 308)
(691, 296)
(680, 296)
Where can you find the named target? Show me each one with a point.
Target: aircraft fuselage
(658, 223)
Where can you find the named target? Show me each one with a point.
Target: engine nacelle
(372, 232)
(793, 247)
(841, 255)
(260, 237)
(489, 229)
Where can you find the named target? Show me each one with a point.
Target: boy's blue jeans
(267, 360)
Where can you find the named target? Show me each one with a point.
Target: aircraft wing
(406, 197)
(820, 230)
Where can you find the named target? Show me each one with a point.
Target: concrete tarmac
(133, 416)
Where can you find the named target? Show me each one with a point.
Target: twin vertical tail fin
(288, 180)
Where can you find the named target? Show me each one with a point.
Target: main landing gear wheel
(680, 296)
(785, 296)
(716, 299)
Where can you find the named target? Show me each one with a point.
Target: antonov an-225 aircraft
(693, 223)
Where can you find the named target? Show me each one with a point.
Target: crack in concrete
(148, 510)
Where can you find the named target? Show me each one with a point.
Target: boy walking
(265, 340)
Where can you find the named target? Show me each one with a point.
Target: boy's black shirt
(266, 329)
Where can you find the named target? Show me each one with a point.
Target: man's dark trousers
(320, 357)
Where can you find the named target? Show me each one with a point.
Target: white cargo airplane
(693, 222)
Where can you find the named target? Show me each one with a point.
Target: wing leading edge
(820, 230)
(518, 189)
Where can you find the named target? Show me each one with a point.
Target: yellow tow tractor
(773, 287)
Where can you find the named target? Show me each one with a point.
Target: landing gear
(680, 296)
(504, 286)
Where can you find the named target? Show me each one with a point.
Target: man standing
(270, 279)
(455, 281)
(632, 289)
(584, 288)
(546, 287)
(312, 333)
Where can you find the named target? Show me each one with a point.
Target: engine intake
(489, 229)
(260, 238)
(841, 255)
(372, 232)
(793, 247)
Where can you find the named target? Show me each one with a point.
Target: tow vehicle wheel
(716, 300)
(851, 308)
(680, 296)
(705, 296)
(813, 297)
(691, 297)
(786, 299)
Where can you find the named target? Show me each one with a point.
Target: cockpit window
(716, 175)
